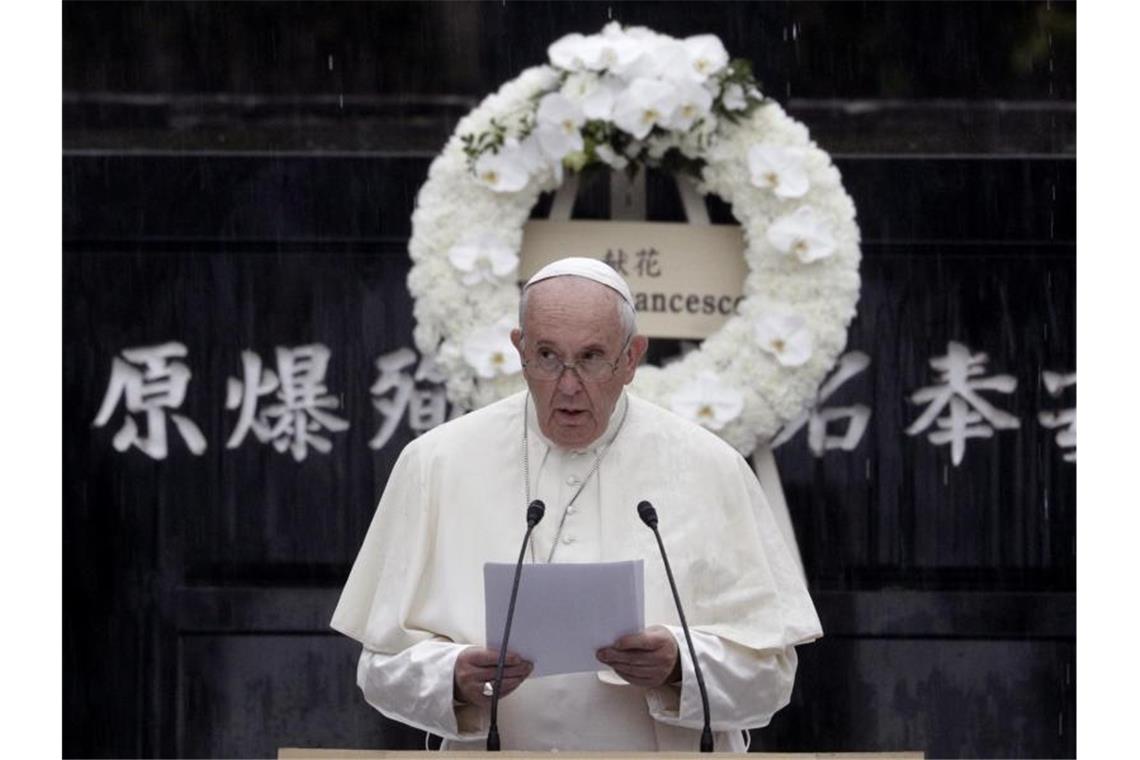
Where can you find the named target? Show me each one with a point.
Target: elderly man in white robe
(591, 451)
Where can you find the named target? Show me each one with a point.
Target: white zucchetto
(591, 269)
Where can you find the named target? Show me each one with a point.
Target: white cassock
(455, 500)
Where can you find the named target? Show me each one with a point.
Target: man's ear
(637, 348)
(516, 339)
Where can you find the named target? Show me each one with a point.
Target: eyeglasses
(593, 367)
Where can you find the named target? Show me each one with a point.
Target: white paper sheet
(565, 612)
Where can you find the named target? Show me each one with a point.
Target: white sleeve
(746, 687)
(415, 687)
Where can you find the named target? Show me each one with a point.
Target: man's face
(575, 318)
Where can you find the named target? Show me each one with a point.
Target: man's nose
(568, 382)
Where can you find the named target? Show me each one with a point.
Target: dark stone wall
(241, 176)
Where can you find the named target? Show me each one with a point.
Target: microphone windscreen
(534, 512)
(647, 513)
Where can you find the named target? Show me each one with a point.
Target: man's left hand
(650, 658)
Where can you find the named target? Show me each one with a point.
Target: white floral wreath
(628, 98)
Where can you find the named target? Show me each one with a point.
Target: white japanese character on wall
(157, 384)
(817, 418)
(1065, 419)
(303, 401)
(959, 390)
(395, 393)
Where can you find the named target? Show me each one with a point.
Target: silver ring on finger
(488, 689)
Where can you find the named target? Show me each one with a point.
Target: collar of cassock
(536, 435)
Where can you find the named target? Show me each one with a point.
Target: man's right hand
(476, 666)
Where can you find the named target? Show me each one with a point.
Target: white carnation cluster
(628, 96)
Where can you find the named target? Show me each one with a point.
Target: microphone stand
(534, 513)
(648, 516)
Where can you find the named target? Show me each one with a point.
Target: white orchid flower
(536, 158)
(804, 233)
(570, 52)
(626, 47)
(733, 99)
(599, 103)
(644, 104)
(614, 53)
(612, 29)
(778, 169)
(483, 258)
(510, 169)
(490, 352)
(579, 85)
(593, 94)
(705, 54)
(785, 335)
(559, 126)
(528, 152)
(597, 52)
(507, 171)
(641, 33)
(707, 401)
(662, 58)
(607, 156)
(693, 102)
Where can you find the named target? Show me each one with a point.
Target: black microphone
(648, 516)
(534, 512)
